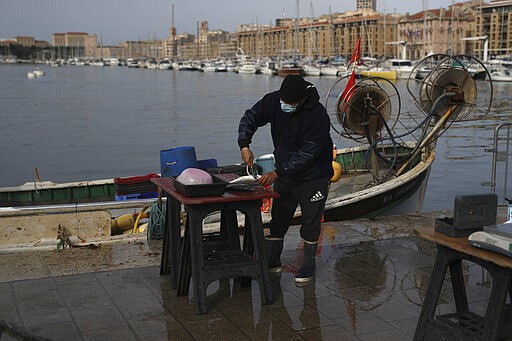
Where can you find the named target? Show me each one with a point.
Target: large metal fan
(446, 88)
(368, 110)
(361, 109)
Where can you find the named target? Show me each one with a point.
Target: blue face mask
(288, 108)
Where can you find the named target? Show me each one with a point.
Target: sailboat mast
(310, 45)
(425, 5)
(332, 32)
(384, 11)
(296, 37)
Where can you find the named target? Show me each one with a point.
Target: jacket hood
(312, 96)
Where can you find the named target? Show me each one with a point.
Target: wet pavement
(370, 283)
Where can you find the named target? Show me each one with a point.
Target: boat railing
(500, 160)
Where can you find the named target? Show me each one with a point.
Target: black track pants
(310, 195)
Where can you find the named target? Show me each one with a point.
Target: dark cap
(293, 88)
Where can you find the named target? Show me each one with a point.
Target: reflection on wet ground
(370, 284)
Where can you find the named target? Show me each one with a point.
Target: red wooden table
(195, 256)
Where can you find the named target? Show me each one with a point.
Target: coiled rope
(156, 222)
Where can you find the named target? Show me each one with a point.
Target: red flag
(356, 55)
(349, 89)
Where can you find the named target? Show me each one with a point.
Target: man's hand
(268, 179)
(247, 156)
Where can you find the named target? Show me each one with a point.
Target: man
(303, 161)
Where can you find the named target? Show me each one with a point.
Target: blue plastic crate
(135, 196)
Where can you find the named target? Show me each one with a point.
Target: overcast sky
(120, 20)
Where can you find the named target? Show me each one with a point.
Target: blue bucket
(266, 162)
(173, 161)
(207, 163)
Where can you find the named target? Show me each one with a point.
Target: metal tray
(217, 188)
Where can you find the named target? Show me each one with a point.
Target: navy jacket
(303, 147)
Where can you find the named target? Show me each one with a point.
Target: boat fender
(124, 222)
(143, 227)
(336, 167)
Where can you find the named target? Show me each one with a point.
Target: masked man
(303, 164)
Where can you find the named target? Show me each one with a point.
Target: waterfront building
(207, 44)
(91, 46)
(472, 27)
(493, 25)
(7, 42)
(69, 44)
(69, 39)
(327, 36)
(368, 4)
(25, 41)
(438, 31)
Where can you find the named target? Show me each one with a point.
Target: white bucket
(266, 162)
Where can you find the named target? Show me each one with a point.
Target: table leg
(229, 228)
(184, 272)
(256, 232)
(247, 248)
(501, 281)
(458, 286)
(433, 291)
(172, 241)
(195, 230)
(165, 260)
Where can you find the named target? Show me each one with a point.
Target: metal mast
(425, 6)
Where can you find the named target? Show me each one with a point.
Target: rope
(135, 228)
(156, 221)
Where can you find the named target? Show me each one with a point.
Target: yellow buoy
(125, 222)
(338, 170)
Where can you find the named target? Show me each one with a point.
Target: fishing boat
(386, 157)
(392, 152)
(358, 194)
(48, 192)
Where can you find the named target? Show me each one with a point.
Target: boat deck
(370, 283)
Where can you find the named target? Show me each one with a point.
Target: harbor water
(85, 123)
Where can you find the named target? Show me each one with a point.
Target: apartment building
(368, 4)
(69, 39)
(437, 31)
(25, 41)
(493, 27)
(469, 27)
(473, 27)
(324, 37)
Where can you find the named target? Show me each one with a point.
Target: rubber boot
(307, 271)
(273, 250)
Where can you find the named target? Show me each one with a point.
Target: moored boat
(357, 195)
(48, 192)
(268, 68)
(311, 70)
(377, 174)
(379, 72)
(289, 68)
(402, 67)
(248, 68)
(501, 74)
